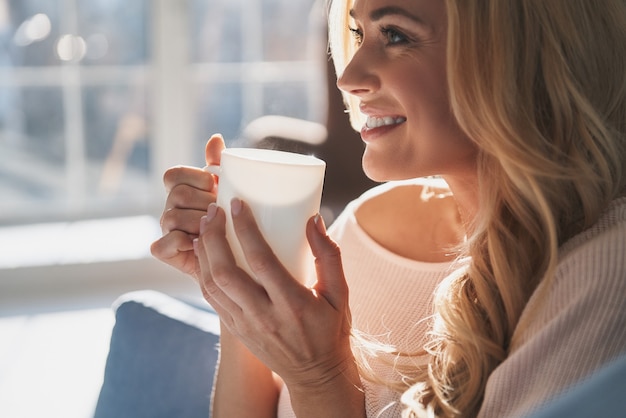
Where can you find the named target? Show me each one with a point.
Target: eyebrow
(390, 10)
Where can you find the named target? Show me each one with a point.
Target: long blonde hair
(540, 87)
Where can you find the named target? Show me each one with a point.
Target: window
(99, 97)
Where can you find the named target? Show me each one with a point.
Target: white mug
(283, 190)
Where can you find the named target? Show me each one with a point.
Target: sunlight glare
(71, 48)
(37, 28)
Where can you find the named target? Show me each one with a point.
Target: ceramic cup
(283, 189)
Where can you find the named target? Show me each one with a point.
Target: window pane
(219, 110)
(274, 42)
(86, 118)
(216, 31)
(287, 29)
(118, 147)
(287, 99)
(72, 108)
(28, 32)
(31, 145)
(114, 31)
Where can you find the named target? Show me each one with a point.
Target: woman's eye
(393, 36)
(357, 34)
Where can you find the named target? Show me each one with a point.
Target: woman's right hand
(190, 190)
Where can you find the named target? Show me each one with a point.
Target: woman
(376, 233)
(521, 107)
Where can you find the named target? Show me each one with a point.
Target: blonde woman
(521, 107)
(538, 88)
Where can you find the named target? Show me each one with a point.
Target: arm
(244, 387)
(301, 333)
(342, 396)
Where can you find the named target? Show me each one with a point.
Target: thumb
(213, 149)
(331, 282)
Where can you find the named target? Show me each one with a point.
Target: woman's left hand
(301, 333)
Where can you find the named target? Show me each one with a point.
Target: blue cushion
(161, 361)
(603, 394)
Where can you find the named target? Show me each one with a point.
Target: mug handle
(213, 169)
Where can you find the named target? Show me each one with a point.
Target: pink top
(571, 326)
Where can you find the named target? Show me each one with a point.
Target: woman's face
(398, 74)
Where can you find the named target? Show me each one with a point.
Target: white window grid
(171, 78)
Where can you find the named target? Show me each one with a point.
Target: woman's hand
(190, 190)
(301, 333)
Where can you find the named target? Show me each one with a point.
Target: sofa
(163, 352)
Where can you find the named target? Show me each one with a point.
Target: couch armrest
(162, 359)
(603, 394)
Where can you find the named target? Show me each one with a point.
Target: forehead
(431, 10)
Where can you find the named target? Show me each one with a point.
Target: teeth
(377, 122)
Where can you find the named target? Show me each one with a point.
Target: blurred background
(97, 99)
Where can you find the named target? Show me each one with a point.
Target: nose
(359, 77)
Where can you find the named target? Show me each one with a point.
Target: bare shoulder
(416, 220)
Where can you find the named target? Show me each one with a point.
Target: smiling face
(398, 75)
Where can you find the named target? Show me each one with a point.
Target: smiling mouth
(377, 122)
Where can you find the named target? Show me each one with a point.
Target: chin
(381, 175)
(372, 173)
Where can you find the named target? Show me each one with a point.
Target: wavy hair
(540, 87)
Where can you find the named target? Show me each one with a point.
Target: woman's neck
(414, 222)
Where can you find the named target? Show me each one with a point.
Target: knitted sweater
(571, 326)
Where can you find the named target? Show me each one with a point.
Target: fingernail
(211, 211)
(319, 223)
(195, 246)
(235, 206)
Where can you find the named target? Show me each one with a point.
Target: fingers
(268, 270)
(176, 249)
(184, 220)
(222, 280)
(191, 190)
(297, 329)
(213, 149)
(331, 282)
(192, 176)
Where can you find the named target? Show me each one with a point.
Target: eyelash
(386, 31)
(357, 34)
(391, 32)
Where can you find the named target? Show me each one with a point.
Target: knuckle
(168, 246)
(334, 249)
(260, 263)
(181, 195)
(171, 175)
(167, 220)
(209, 290)
(184, 220)
(332, 254)
(156, 248)
(221, 275)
